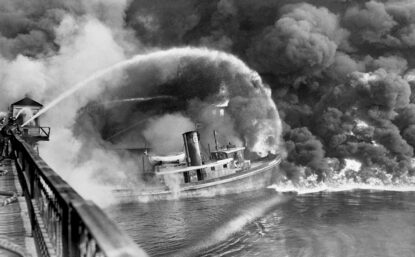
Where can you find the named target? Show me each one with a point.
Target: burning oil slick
(340, 73)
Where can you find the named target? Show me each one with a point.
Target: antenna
(216, 141)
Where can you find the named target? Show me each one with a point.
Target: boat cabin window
(219, 156)
(225, 165)
(212, 168)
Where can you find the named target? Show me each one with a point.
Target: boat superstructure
(189, 174)
(222, 162)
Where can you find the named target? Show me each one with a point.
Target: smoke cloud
(305, 38)
(71, 44)
(165, 138)
(382, 23)
(196, 82)
(341, 76)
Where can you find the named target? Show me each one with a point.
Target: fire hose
(12, 197)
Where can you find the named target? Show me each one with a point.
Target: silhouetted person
(6, 133)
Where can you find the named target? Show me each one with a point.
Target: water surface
(350, 223)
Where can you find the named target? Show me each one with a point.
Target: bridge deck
(15, 232)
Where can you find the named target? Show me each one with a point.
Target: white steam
(97, 44)
(165, 133)
(86, 45)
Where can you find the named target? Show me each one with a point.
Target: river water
(267, 223)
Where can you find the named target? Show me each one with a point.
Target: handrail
(63, 223)
(36, 131)
(45, 130)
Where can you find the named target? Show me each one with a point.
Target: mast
(216, 141)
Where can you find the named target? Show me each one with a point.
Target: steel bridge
(43, 216)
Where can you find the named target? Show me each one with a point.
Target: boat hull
(256, 178)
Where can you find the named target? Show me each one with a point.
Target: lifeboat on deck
(178, 157)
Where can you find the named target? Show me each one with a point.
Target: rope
(7, 193)
(10, 200)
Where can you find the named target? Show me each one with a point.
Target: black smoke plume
(340, 72)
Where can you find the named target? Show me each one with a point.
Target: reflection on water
(354, 223)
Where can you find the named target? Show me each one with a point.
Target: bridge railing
(40, 133)
(63, 223)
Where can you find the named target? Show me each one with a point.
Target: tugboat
(189, 175)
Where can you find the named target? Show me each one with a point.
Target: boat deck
(15, 232)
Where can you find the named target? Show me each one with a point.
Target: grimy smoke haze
(195, 81)
(341, 74)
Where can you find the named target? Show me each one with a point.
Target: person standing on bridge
(6, 132)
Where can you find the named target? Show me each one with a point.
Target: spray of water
(236, 224)
(18, 114)
(163, 54)
(137, 99)
(27, 115)
(78, 86)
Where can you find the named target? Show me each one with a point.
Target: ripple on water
(357, 223)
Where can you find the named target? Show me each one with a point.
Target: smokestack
(192, 147)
